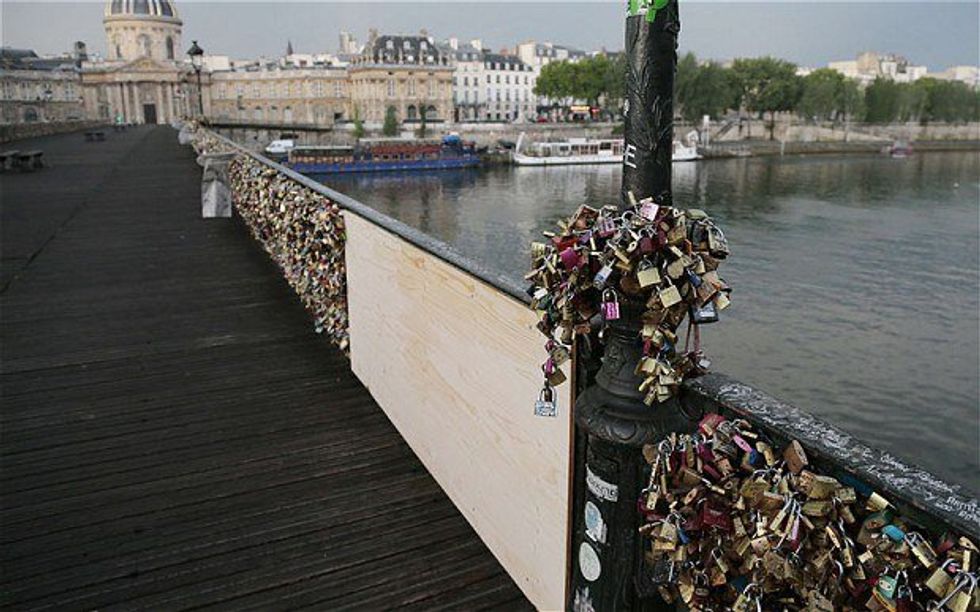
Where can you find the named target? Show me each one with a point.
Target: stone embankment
(723, 138)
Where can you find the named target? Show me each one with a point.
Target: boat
(385, 154)
(899, 149)
(586, 151)
(280, 147)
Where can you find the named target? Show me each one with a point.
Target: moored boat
(585, 151)
(380, 155)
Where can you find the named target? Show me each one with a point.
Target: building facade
(34, 89)
(275, 94)
(507, 88)
(537, 55)
(144, 79)
(409, 74)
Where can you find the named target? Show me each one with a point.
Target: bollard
(613, 420)
(215, 194)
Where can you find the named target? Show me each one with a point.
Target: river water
(856, 278)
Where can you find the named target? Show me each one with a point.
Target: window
(412, 112)
(488, 78)
(406, 45)
(170, 48)
(287, 115)
(390, 44)
(318, 89)
(240, 90)
(411, 87)
(507, 79)
(498, 79)
(430, 88)
(145, 45)
(271, 90)
(391, 88)
(69, 91)
(338, 89)
(466, 81)
(257, 114)
(256, 91)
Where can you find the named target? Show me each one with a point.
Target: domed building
(145, 75)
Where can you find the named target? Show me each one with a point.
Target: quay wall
(449, 350)
(20, 131)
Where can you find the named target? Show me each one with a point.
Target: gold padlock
(940, 581)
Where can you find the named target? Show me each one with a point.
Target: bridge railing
(450, 352)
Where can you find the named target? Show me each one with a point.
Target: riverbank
(751, 148)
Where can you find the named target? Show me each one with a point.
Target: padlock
(795, 457)
(552, 373)
(707, 313)
(647, 274)
(610, 305)
(546, 405)
(669, 296)
(940, 580)
(921, 549)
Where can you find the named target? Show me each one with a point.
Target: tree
(822, 96)
(390, 127)
(707, 89)
(358, 124)
(881, 99)
(767, 85)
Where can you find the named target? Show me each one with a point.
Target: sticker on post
(595, 527)
(588, 562)
(599, 487)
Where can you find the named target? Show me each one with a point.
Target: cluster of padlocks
(204, 142)
(733, 524)
(661, 258)
(304, 234)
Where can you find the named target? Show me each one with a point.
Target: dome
(139, 8)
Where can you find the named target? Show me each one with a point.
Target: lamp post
(610, 412)
(196, 54)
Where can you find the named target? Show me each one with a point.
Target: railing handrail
(909, 485)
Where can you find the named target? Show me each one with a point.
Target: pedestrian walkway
(174, 434)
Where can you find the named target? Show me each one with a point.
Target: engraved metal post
(611, 413)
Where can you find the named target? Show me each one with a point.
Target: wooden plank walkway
(174, 435)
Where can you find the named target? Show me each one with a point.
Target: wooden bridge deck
(174, 435)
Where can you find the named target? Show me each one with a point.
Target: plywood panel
(455, 363)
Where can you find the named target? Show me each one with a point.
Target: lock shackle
(547, 392)
(609, 291)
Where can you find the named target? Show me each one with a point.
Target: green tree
(822, 96)
(881, 100)
(707, 89)
(767, 85)
(390, 127)
(358, 124)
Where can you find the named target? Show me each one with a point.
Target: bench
(94, 135)
(29, 160)
(7, 159)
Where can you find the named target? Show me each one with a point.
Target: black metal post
(611, 413)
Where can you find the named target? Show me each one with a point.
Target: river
(856, 278)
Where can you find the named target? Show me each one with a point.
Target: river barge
(585, 151)
(383, 155)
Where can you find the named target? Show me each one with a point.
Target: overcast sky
(937, 34)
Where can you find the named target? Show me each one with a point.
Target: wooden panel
(455, 364)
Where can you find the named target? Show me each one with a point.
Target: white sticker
(599, 487)
(588, 562)
(595, 527)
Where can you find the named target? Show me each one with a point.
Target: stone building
(278, 94)
(410, 74)
(37, 90)
(146, 78)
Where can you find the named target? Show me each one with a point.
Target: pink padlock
(610, 305)
(569, 258)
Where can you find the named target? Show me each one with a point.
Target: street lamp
(197, 60)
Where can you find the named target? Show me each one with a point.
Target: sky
(934, 34)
